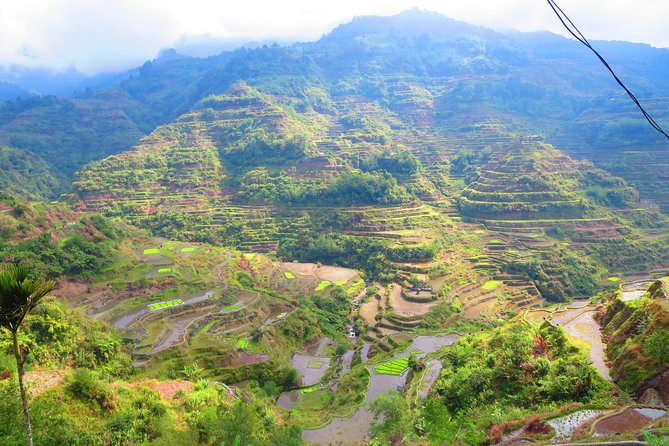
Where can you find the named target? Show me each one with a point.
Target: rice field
(289, 275)
(315, 364)
(163, 305)
(242, 343)
(150, 251)
(396, 366)
(309, 389)
(613, 279)
(187, 250)
(231, 308)
(164, 270)
(491, 285)
(323, 285)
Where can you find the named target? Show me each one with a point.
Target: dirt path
(403, 307)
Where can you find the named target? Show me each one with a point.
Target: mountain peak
(412, 22)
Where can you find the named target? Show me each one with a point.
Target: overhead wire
(576, 33)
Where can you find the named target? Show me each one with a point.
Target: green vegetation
(396, 366)
(409, 148)
(323, 284)
(19, 296)
(231, 308)
(163, 305)
(491, 285)
(518, 369)
(637, 332)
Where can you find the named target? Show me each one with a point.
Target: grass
(231, 308)
(289, 275)
(491, 285)
(323, 285)
(242, 343)
(187, 250)
(315, 364)
(151, 251)
(162, 305)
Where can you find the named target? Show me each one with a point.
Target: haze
(95, 36)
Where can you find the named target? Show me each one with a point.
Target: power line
(574, 31)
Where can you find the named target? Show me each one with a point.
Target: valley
(383, 237)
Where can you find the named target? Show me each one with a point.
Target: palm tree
(19, 295)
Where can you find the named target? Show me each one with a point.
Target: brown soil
(40, 381)
(69, 288)
(402, 307)
(167, 389)
(628, 421)
(368, 311)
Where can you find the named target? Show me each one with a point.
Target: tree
(19, 295)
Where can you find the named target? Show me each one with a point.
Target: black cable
(568, 24)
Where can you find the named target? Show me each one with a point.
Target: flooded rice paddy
(348, 431)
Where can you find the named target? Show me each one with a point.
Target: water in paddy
(566, 426)
(631, 420)
(127, 320)
(632, 295)
(288, 399)
(365, 351)
(311, 368)
(348, 431)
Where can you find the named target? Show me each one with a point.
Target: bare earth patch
(331, 273)
(368, 311)
(403, 307)
(40, 381)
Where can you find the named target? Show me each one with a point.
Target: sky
(97, 36)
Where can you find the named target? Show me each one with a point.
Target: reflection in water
(353, 430)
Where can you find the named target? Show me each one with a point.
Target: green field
(187, 249)
(339, 282)
(491, 285)
(242, 343)
(163, 305)
(309, 389)
(323, 285)
(289, 275)
(613, 279)
(164, 270)
(151, 251)
(231, 308)
(394, 367)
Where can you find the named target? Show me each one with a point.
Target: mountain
(457, 231)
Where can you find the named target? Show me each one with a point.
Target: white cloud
(104, 35)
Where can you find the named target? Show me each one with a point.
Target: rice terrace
(402, 230)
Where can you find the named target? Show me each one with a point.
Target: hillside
(411, 231)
